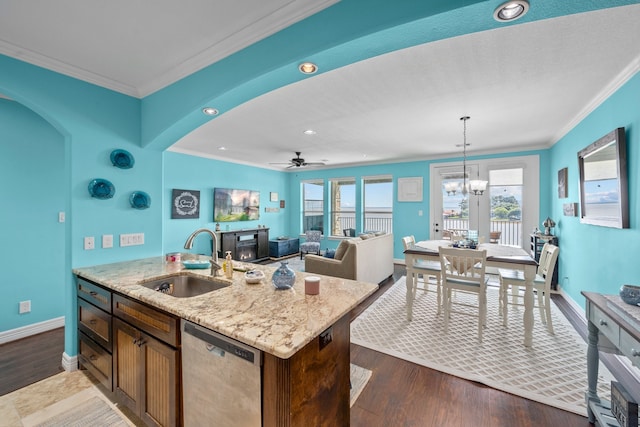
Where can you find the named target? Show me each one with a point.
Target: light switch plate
(107, 241)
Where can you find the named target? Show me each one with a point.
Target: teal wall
(86, 122)
(594, 258)
(186, 172)
(89, 122)
(33, 192)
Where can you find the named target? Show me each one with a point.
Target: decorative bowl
(196, 263)
(122, 159)
(253, 276)
(630, 294)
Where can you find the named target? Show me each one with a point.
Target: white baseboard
(33, 329)
(69, 363)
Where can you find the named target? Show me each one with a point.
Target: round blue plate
(101, 189)
(139, 200)
(122, 159)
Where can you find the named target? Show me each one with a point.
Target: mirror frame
(621, 217)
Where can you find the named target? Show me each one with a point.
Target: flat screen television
(230, 205)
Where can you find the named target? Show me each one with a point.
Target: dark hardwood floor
(31, 359)
(399, 393)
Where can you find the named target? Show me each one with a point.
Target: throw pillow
(329, 253)
(340, 250)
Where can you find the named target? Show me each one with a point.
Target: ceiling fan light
(511, 10)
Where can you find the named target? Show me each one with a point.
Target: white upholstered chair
(311, 243)
(421, 270)
(463, 270)
(512, 280)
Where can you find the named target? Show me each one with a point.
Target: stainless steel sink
(185, 286)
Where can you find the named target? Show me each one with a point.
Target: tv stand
(247, 245)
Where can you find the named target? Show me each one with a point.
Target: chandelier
(475, 186)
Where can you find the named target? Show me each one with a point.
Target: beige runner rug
(553, 371)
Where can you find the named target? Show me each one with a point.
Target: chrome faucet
(214, 252)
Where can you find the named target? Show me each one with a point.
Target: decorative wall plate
(122, 159)
(101, 189)
(139, 200)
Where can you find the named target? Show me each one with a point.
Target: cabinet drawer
(95, 294)
(630, 347)
(95, 323)
(152, 321)
(96, 360)
(606, 326)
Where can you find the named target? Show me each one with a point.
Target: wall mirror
(603, 181)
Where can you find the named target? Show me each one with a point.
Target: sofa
(367, 258)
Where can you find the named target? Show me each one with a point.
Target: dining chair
(423, 269)
(512, 280)
(311, 243)
(463, 270)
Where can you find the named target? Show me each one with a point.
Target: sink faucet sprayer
(214, 253)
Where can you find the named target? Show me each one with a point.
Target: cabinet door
(263, 243)
(127, 372)
(160, 401)
(145, 376)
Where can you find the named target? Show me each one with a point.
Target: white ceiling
(524, 86)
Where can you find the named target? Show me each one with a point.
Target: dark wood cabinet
(146, 376)
(245, 245)
(95, 338)
(133, 350)
(537, 243)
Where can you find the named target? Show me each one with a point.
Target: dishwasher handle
(221, 345)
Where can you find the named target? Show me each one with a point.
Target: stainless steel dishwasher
(221, 379)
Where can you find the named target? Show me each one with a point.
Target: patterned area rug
(553, 371)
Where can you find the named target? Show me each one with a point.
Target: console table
(283, 247)
(245, 245)
(614, 327)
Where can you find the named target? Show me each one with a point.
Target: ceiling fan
(298, 161)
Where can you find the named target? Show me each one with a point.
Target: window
(343, 206)
(378, 203)
(505, 191)
(313, 205)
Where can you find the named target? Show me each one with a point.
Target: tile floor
(22, 404)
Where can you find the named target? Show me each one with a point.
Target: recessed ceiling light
(309, 132)
(511, 10)
(308, 68)
(210, 111)
(222, 148)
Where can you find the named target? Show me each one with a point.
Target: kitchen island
(305, 338)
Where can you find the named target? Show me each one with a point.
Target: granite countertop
(279, 322)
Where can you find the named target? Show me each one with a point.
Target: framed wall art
(410, 189)
(562, 183)
(185, 204)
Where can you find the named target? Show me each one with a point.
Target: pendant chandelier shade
(475, 186)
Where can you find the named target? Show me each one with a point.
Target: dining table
(499, 256)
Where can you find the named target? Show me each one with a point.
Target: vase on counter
(284, 277)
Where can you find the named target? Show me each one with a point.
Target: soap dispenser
(228, 266)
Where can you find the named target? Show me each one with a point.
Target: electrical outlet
(132, 239)
(25, 307)
(107, 241)
(61, 217)
(89, 243)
